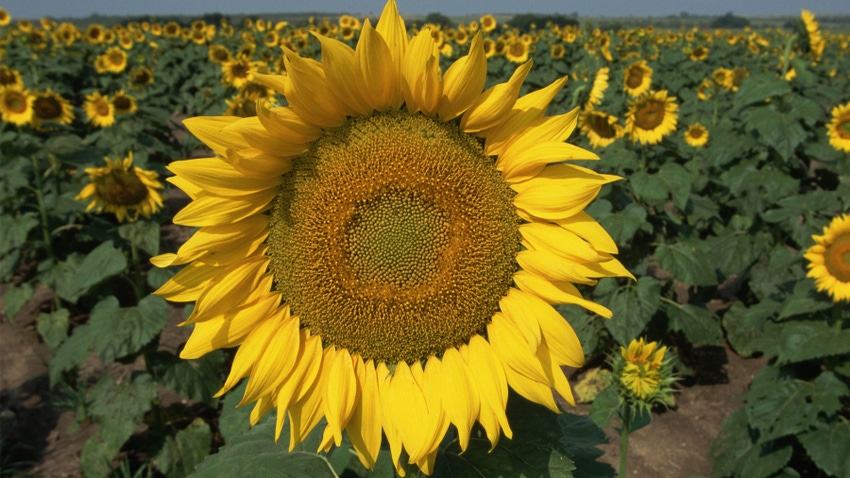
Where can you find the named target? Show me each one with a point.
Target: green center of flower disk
(121, 187)
(843, 128)
(394, 237)
(837, 258)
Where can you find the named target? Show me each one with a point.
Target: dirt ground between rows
(39, 439)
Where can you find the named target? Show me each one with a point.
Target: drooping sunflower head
(390, 244)
(597, 91)
(16, 105)
(838, 128)
(829, 259)
(739, 74)
(696, 135)
(600, 128)
(123, 104)
(637, 78)
(99, 110)
(49, 106)
(122, 189)
(651, 117)
(704, 90)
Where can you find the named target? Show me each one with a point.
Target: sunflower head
(141, 77)
(723, 77)
(99, 110)
(122, 189)
(51, 107)
(838, 128)
(601, 128)
(16, 105)
(5, 18)
(696, 135)
(640, 368)
(597, 91)
(10, 77)
(488, 23)
(123, 104)
(390, 244)
(651, 117)
(699, 53)
(829, 259)
(637, 78)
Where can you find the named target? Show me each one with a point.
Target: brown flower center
(649, 115)
(837, 257)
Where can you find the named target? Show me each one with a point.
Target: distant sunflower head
(16, 105)
(10, 77)
(739, 74)
(696, 135)
(237, 71)
(637, 78)
(557, 51)
(597, 91)
(95, 33)
(724, 78)
(651, 117)
(488, 23)
(172, 30)
(838, 129)
(122, 189)
(814, 41)
(141, 77)
(517, 51)
(699, 53)
(99, 110)
(51, 107)
(600, 128)
(389, 244)
(704, 90)
(829, 259)
(5, 18)
(123, 103)
(114, 60)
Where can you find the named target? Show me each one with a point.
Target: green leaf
(53, 327)
(233, 421)
(750, 330)
(829, 447)
(623, 225)
(732, 253)
(96, 457)
(738, 452)
(698, 323)
(604, 407)
(677, 181)
(648, 187)
(807, 340)
(195, 379)
(256, 454)
(16, 229)
(144, 234)
(183, 452)
(779, 131)
(17, 297)
(123, 331)
(72, 353)
(633, 306)
(686, 263)
(586, 325)
(120, 408)
(759, 87)
(75, 277)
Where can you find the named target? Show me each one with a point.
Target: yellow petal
(553, 267)
(219, 177)
(189, 188)
(285, 124)
(340, 65)
(309, 93)
(463, 81)
(583, 225)
(251, 131)
(489, 376)
(421, 85)
(208, 129)
(559, 191)
(249, 353)
(340, 394)
(408, 409)
(462, 406)
(364, 428)
(557, 240)
(228, 287)
(510, 345)
(562, 339)
(278, 359)
(521, 164)
(394, 33)
(549, 128)
(188, 284)
(490, 108)
(377, 70)
(391, 428)
(212, 210)
(220, 245)
(532, 390)
(275, 82)
(306, 413)
(301, 379)
(437, 423)
(556, 292)
(555, 373)
(257, 163)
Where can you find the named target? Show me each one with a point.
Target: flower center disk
(837, 258)
(394, 237)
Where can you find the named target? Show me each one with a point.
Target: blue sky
(608, 8)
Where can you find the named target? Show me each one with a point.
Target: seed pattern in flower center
(650, 115)
(394, 237)
(837, 258)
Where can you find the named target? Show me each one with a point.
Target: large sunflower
(838, 129)
(122, 189)
(637, 78)
(829, 259)
(651, 117)
(384, 250)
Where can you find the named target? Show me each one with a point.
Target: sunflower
(123, 104)
(651, 117)
(597, 91)
(641, 373)
(391, 237)
(636, 78)
(237, 72)
(739, 74)
(10, 77)
(600, 128)
(696, 135)
(816, 42)
(114, 60)
(488, 23)
(140, 77)
(704, 90)
(16, 105)
(723, 77)
(51, 107)
(829, 259)
(557, 51)
(94, 33)
(5, 18)
(122, 189)
(699, 53)
(172, 29)
(838, 129)
(99, 110)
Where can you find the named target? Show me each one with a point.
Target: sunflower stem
(138, 286)
(787, 56)
(838, 320)
(624, 441)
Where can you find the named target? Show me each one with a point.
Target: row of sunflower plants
(733, 146)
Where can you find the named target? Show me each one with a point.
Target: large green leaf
(633, 306)
(184, 451)
(811, 339)
(256, 454)
(72, 353)
(17, 297)
(233, 421)
(829, 447)
(698, 323)
(195, 379)
(120, 408)
(76, 275)
(144, 234)
(16, 229)
(648, 187)
(53, 327)
(686, 263)
(123, 331)
(759, 87)
(777, 130)
(623, 225)
(737, 451)
(749, 330)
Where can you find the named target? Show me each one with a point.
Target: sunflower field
(412, 248)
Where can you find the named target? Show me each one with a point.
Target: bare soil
(40, 439)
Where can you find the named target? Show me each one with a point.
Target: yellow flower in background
(114, 60)
(16, 105)
(237, 72)
(724, 78)
(696, 135)
(829, 259)
(637, 78)
(838, 129)
(122, 189)
(651, 117)
(517, 51)
(699, 53)
(704, 90)
(641, 374)
(10, 77)
(600, 128)
(488, 23)
(95, 33)
(557, 51)
(123, 104)
(140, 77)
(739, 74)
(384, 251)
(5, 18)
(99, 110)
(816, 41)
(49, 106)
(597, 91)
